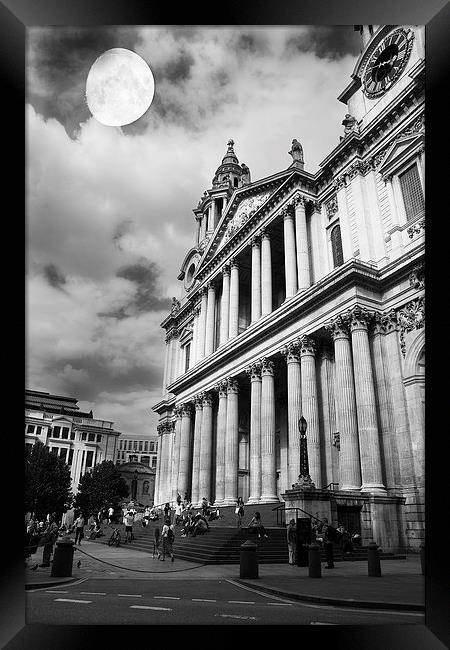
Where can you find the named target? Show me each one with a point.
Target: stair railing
(296, 508)
(331, 486)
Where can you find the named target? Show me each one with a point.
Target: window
(146, 445)
(38, 431)
(63, 453)
(99, 438)
(152, 446)
(56, 432)
(83, 436)
(145, 460)
(336, 246)
(54, 450)
(140, 445)
(236, 181)
(30, 428)
(120, 444)
(187, 357)
(156, 446)
(134, 445)
(412, 193)
(72, 435)
(153, 461)
(89, 458)
(70, 458)
(91, 437)
(65, 433)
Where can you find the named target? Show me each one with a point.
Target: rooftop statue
(296, 151)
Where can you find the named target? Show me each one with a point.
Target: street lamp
(304, 465)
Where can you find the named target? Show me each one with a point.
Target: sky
(109, 210)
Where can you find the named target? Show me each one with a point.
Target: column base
(252, 501)
(229, 502)
(350, 488)
(374, 488)
(269, 499)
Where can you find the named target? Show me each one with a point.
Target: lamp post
(134, 485)
(304, 465)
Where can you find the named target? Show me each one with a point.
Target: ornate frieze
(246, 209)
(331, 207)
(254, 371)
(416, 228)
(411, 317)
(417, 277)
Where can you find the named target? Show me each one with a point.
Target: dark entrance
(350, 518)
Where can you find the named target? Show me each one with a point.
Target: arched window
(236, 181)
(145, 487)
(336, 246)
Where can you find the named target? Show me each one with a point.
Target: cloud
(54, 276)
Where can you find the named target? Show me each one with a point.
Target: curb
(43, 585)
(346, 602)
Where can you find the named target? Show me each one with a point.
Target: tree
(47, 482)
(102, 486)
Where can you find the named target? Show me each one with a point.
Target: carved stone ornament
(234, 264)
(331, 207)
(255, 241)
(340, 182)
(266, 367)
(417, 277)
(246, 209)
(292, 352)
(207, 399)
(221, 387)
(338, 326)
(186, 410)
(378, 324)
(226, 270)
(176, 304)
(233, 386)
(198, 401)
(350, 124)
(416, 228)
(411, 317)
(296, 151)
(254, 371)
(389, 320)
(307, 345)
(337, 440)
(360, 317)
(304, 483)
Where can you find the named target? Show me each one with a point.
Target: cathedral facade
(303, 295)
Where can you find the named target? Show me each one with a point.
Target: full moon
(119, 87)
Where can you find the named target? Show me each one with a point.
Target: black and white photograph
(225, 325)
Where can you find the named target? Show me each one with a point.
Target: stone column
(209, 343)
(198, 402)
(266, 274)
(232, 444)
(254, 371)
(268, 459)
(310, 408)
(349, 465)
(202, 322)
(206, 447)
(225, 310)
(212, 215)
(163, 478)
(166, 363)
(234, 300)
(301, 236)
(369, 443)
(256, 279)
(158, 467)
(176, 448)
(183, 473)
(204, 225)
(221, 388)
(194, 349)
(328, 415)
(294, 404)
(290, 262)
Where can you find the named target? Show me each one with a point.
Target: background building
(137, 448)
(81, 440)
(303, 294)
(141, 482)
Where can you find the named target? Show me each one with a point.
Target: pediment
(398, 153)
(244, 203)
(61, 419)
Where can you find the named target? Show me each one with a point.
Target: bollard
(63, 558)
(422, 558)
(249, 560)
(315, 567)
(373, 561)
(329, 555)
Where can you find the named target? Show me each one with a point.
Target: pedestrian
(110, 515)
(167, 511)
(292, 541)
(186, 497)
(168, 537)
(179, 508)
(205, 507)
(91, 523)
(256, 526)
(48, 540)
(129, 520)
(239, 510)
(146, 516)
(30, 531)
(79, 529)
(156, 543)
(178, 497)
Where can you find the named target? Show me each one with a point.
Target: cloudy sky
(109, 210)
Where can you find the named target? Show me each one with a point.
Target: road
(109, 601)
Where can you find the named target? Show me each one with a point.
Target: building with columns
(303, 294)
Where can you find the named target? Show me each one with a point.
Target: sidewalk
(400, 587)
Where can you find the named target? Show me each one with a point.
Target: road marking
(203, 600)
(242, 602)
(245, 618)
(131, 595)
(71, 600)
(320, 623)
(93, 593)
(168, 597)
(49, 591)
(281, 604)
(160, 609)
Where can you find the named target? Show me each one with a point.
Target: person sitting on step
(256, 526)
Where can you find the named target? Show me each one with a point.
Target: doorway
(350, 518)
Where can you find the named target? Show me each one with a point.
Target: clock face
(387, 62)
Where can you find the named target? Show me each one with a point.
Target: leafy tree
(47, 482)
(102, 486)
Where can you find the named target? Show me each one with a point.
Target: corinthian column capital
(291, 351)
(226, 269)
(360, 317)
(204, 291)
(390, 322)
(378, 324)
(264, 233)
(254, 371)
(207, 399)
(255, 241)
(186, 409)
(198, 401)
(177, 411)
(221, 387)
(307, 346)
(338, 326)
(234, 263)
(299, 199)
(266, 367)
(233, 386)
